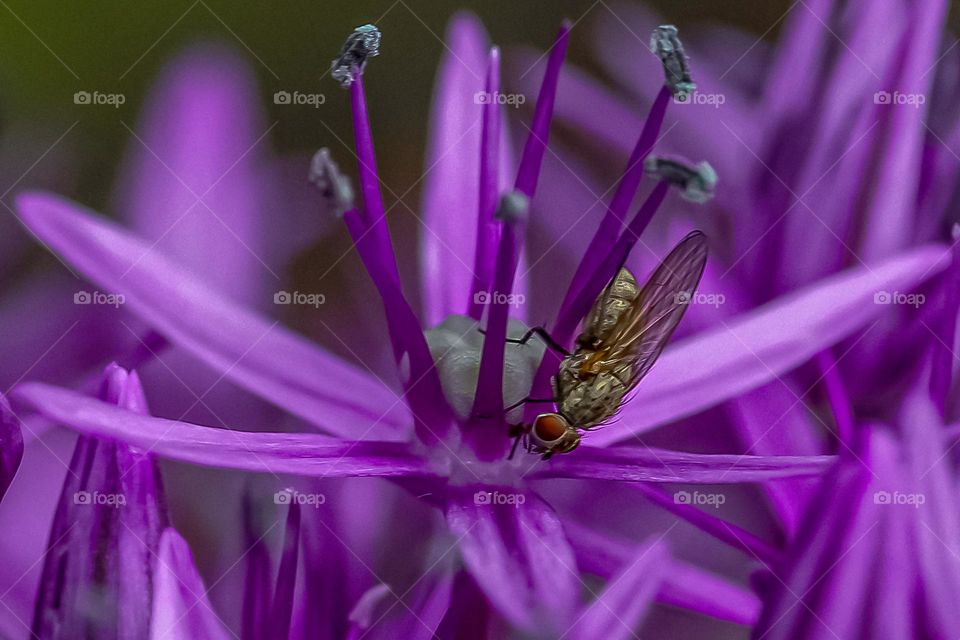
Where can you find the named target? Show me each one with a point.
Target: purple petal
(756, 347)
(414, 613)
(193, 181)
(257, 587)
(11, 445)
(722, 530)
(282, 606)
(451, 186)
(690, 587)
(181, 608)
(264, 358)
(296, 453)
(684, 585)
(624, 602)
(520, 558)
(636, 464)
(105, 533)
(771, 421)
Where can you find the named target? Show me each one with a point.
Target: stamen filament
(536, 145)
(513, 211)
(422, 385)
(373, 210)
(613, 220)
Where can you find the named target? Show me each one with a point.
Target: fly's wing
(640, 335)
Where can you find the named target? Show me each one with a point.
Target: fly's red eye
(549, 427)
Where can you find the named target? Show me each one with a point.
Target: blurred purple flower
(445, 435)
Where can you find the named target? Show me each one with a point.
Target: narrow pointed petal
(488, 233)
(451, 185)
(257, 587)
(282, 606)
(770, 421)
(413, 613)
(755, 348)
(194, 181)
(722, 530)
(97, 572)
(643, 464)
(11, 445)
(620, 608)
(690, 587)
(260, 356)
(520, 558)
(181, 608)
(684, 585)
(297, 453)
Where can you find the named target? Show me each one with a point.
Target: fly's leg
(516, 432)
(542, 333)
(528, 400)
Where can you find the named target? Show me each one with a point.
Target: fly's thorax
(592, 400)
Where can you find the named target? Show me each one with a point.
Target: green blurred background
(49, 50)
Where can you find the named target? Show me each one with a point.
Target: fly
(623, 335)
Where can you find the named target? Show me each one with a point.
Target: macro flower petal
(181, 608)
(684, 585)
(758, 346)
(620, 608)
(194, 181)
(260, 356)
(452, 182)
(98, 566)
(11, 445)
(306, 454)
(413, 613)
(644, 464)
(520, 558)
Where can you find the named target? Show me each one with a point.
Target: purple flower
(444, 431)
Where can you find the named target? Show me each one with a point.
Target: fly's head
(552, 433)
